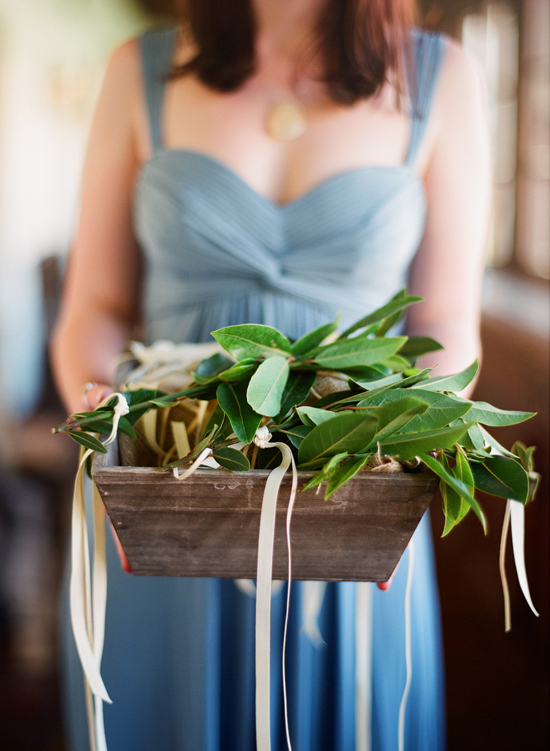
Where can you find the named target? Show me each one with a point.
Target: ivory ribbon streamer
(408, 656)
(502, 569)
(515, 512)
(263, 588)
(88, 598)
(363, 666)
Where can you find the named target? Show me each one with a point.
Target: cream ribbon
(363, 666)
(88, 591)
(514, 516)
(408, 651)
(263, 588)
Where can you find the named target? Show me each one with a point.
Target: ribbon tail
(502, 569)
(288, 458)
(363, 666)
(408, 656)
(78, 588)
(263, 604)
(517, 513)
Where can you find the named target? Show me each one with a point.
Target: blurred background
(52, 59)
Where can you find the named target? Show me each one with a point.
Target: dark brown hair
(360, 42)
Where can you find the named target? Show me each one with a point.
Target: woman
(303, 159)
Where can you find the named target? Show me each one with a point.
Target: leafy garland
(389, 409)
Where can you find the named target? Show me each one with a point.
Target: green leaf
(326, 471)
(370, 385)
(399, 302)
(244, 421)
(252, 340)
(344, 473)
(454, 506)
(163, 404)
(525, 455)
(312, 340)
(397, 363)
(209, 368)
(486, 414)
(388, 322)
(297, 434)
(125, 426)
(296, 391)
(399, 382)
(352, 353)
(503, 477)
(266, 387)
(393, 416)
(100, 426)
(219, 418)
(462, 470)
(139, 396)
(87, 440)
(455, 382)
(313, 416)
(419, 345)
(369, 372)
(239, 370)
(231, 459)
(347, 431)
(408, 445)
(441, 410)
(340, 397)
(455, 485)
(476, 436)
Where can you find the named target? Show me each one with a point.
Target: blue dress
(179, 653)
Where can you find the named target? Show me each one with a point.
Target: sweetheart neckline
(279, 207)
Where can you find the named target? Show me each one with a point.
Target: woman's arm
(448, 268)
(100, 300)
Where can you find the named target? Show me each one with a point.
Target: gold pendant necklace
(286, 120)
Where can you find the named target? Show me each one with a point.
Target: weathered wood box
(207, 525)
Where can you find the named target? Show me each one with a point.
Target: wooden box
(207, 525)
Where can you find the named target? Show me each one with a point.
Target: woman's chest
(231, 128)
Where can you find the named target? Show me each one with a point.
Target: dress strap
(156, 47)
(428, 52)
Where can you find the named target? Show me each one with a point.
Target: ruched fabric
(179, 653)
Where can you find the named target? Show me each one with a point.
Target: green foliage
(244, 421)
(347, 431)
(356, 353)
(231, 459)
(399, 303)
(501, 476)
(455, 382)
(267, 385)
(252, 340)
(87, 440)
(391, 408)
(297, 388)
(312, 340)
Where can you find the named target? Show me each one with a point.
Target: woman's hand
(94, 393)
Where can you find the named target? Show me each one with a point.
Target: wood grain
(207, 525)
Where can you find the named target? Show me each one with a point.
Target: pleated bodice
(218, 253)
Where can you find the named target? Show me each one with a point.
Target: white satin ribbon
(363, 666)
(515, 517)
(88, 591)
(408, 652)
(263, 588)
